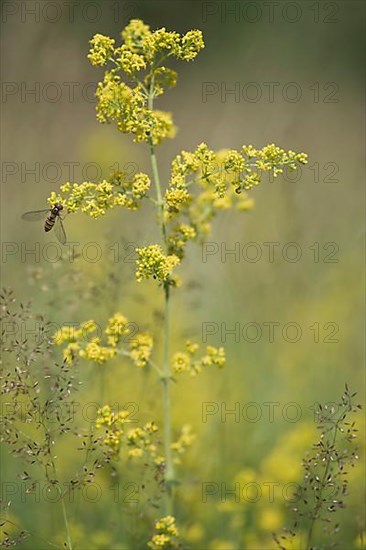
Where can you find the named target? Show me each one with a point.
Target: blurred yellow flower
(270, 518)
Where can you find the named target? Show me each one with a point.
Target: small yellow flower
(178, 238)
(181, 362)
(191, 347)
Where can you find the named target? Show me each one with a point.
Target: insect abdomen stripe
(49, 223)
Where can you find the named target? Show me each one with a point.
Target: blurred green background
(319, 47)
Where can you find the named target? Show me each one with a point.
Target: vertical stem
(166, 377)
(159, 199)
(154, 166)
(69, 544)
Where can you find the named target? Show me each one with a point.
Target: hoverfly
(53, 219)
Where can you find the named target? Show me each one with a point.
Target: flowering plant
(202, 182)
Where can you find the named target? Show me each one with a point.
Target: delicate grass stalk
(326, 468)
(69, 543)
(64, 514)
(325, 475)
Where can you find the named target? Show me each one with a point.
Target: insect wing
(35, 215)
(60, 231)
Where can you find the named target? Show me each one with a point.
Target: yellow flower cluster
(129, 61)
(175, 197)
(186, 439)
(81, 343)
(135, 35)
(102, 48)
(152, 262)
(242, 169)
(163, 78)
(69, 333)
(94, 351)
(215, 357)
(126, 106)
(140, 349)
(166, 535)
(139, 39)
(178, 238)
(114, 423)
(188, 362)
(222, 178)
(142, 444)
(139, 441)
(143, 51)
(117, 327)
(192, 43)
(95, 199)
(272, 159)
(72, 335)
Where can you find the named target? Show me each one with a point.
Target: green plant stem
(166, 376)
(155, 172)
(166, 380)
(159, 199)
